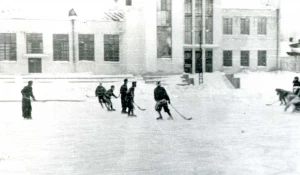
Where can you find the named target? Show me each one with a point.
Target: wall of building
(252, 42)
(138, 41)
(50, 27)
(134, 38)
(152, 64)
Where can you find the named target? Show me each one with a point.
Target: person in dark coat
(130, 100)
(296, 86)
(107, 98)
(100, 92)
(162, 99)
(123, 92)
(26, 103)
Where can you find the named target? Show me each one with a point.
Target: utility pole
(202, 36)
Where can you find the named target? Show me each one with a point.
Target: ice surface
(233, 132)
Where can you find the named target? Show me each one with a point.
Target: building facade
(143, 37)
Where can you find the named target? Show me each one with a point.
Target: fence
(290, 64)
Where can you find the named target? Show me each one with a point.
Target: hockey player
(123, 92)
(130, 100)
(162, 99)
(296, 86)
(100, 92)
(26, 103)
(107, 98)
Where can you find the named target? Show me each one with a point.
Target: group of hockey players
(127, 98)
(104, 96)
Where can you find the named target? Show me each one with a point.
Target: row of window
(245, 26)
(197, 17)
(245, 58)
(34, 43)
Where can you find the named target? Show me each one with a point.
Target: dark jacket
(296, 83)
(123, 89)
(100, 91)
(160, 93)
(110, 93)
(27, 92)
(130, 93)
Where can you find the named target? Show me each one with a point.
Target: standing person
(107, 98)
(130, 100)
(123, 92)
(162, 99)
(100, 92)
(26, 103)
(296, 85)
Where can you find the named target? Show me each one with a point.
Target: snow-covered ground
(233, 132)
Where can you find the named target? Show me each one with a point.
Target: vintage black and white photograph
(154, 87)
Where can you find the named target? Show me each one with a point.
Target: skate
(113, 110)
(132, 115)
(159, 118)
(170, 118)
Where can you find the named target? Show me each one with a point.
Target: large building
(143, 37)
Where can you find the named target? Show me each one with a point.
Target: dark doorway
(35, 65)
(198, 62)
(188, 61)
(208, 61)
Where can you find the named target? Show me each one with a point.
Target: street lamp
(73, 16)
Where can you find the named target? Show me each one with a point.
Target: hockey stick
(181, 114)
(90, 96)
(269, 104)
(139, 107)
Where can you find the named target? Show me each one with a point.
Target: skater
(296, 85)
(99, 92)
(107, 98)
(162, 99)
(26, 103)
(123, 92)
(130, 100)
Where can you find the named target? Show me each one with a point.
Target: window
(8, 47)
(34, 43)
(129, 2)
(262, 58)
(227, 26)
(227, 58)
(164, 29)
(209, 21)
(245, 58)
(111, 48)
(188, 22)
(61, 47)
(245, 26)
(198, 22)
(262, 26)
(86, 47)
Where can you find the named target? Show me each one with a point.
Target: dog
(284, 95)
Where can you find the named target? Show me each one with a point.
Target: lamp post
(73, 16)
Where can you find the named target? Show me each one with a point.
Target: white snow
(233, 132)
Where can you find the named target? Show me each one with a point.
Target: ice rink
(233, 132)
